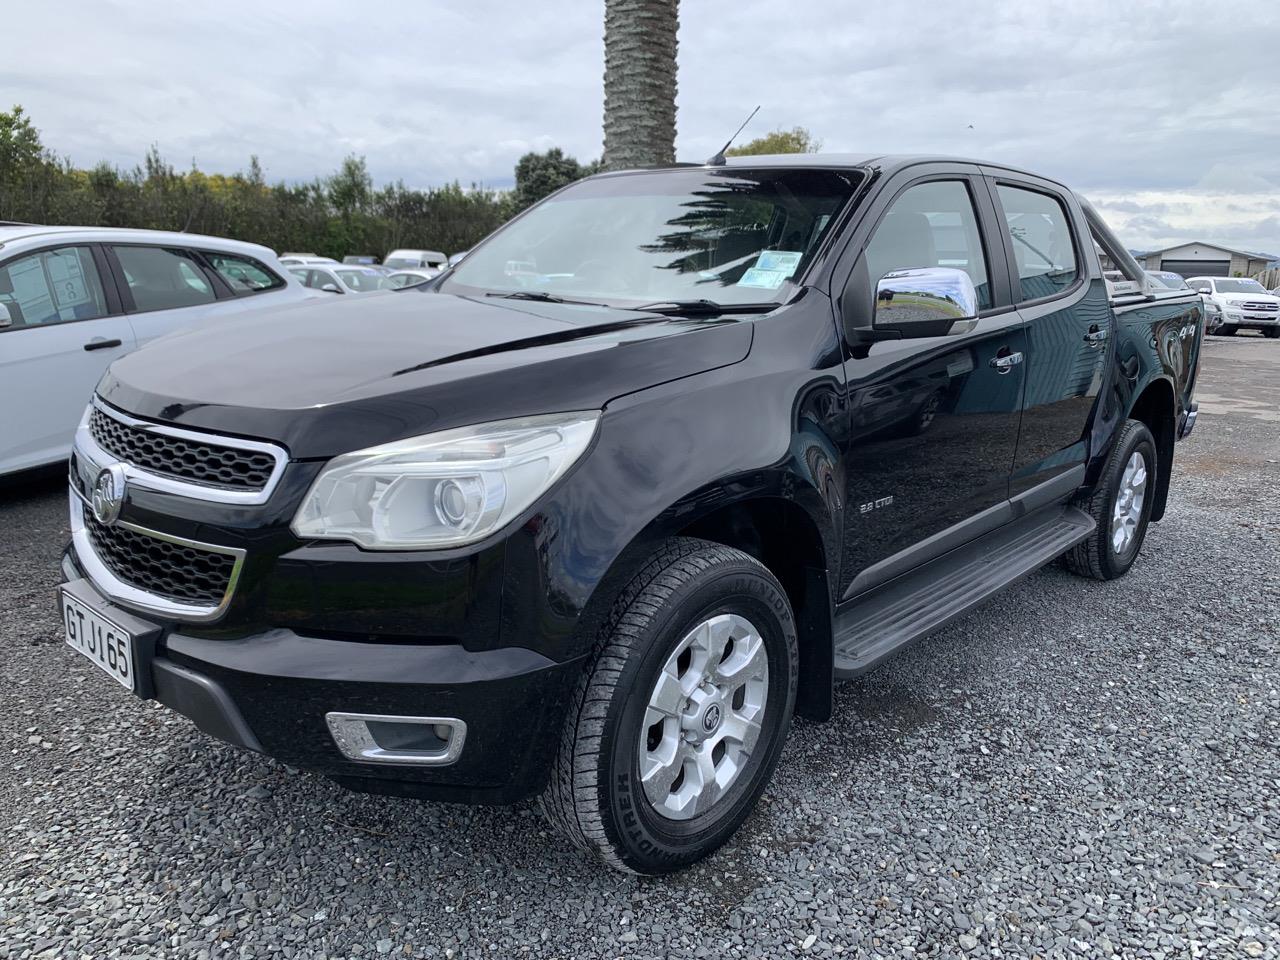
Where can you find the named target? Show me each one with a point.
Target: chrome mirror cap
(928, 301)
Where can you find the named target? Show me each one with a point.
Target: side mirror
(927, 302)
(330, 288)
(6, 316)
(1207, 291)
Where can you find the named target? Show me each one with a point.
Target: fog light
(377, 738)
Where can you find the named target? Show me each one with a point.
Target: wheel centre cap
(711, 718)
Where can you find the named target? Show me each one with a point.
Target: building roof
(1250, 254)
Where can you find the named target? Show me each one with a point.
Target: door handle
(1095, 336)
(102, 344)
(1006, 362)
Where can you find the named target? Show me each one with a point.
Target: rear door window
(243, 274)
(1042, 244)
(53, 286)
(163, 278)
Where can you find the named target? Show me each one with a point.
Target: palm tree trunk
(640, 82)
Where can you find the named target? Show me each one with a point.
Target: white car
(342, 278)
(411, 278)
(302, 259)
(73, 299)
(1237, 303)
(416, 260)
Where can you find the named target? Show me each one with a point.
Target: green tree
(640, 82)
(541, 174)
(795, 140)
(335, 215)
(22, 159)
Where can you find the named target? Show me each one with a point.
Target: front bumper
(271, 693)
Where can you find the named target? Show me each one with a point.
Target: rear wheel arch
(1156, 407)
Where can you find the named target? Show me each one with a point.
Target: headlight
(442, 489)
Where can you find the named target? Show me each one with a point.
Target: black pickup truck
(594, 513)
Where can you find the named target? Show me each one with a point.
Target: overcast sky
(1164, 114)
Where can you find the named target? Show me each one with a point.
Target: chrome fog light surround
(380, 738)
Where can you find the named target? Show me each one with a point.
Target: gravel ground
(1077, 769)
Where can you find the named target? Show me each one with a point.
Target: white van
(72, 299)
(416, 260)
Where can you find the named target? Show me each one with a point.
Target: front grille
(1267, 307)
(210, 464)
(169, 570)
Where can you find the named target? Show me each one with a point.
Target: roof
(881, 161)
(11, 233)
(1250, 254)
(884, 163)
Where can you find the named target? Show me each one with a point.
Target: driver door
(933, 421)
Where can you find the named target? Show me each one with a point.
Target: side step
(881, 622)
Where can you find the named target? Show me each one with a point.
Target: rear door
(1062, 300)
(164, 288)
(64, 327)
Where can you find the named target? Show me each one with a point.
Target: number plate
(106, 644)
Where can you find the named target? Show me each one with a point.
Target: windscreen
(1239, 286)
(731, 236)
(364, 280)
(1173, 281)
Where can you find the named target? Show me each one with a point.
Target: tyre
(1272, 332)
(681, 714)
(1120, 506)
(1225, 331)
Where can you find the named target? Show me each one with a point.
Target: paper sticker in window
(768, 279)
(69, 287)
(772, 269)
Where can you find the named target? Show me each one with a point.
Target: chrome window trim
(135, 598)
(147, 479)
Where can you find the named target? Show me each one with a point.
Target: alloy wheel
(703, 717)
(1127, 513)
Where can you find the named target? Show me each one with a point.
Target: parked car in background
(340, 278)
(416, 260)
(1167, 278)
(72, 299)
(301, 259)
(1238, 303)
(411, 278)
(361, 259)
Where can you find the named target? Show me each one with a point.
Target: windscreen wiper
(703, 308)
(541, 297)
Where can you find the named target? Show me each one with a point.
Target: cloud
(1141, 104)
